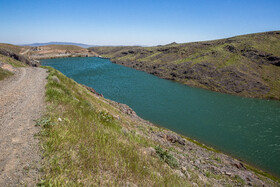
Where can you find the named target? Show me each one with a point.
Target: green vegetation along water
(246, 128)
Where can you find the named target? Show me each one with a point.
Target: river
(246, 128)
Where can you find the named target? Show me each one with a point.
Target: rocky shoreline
(194, 161)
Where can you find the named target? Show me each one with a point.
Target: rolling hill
(246, 65)
(59, 43)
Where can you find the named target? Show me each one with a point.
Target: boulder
(55, 79)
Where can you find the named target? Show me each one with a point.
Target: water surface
(246, 128)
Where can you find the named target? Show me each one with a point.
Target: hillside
(88, 140)
(56, 51)
(46, 51)
(59, 43)
(247, 65)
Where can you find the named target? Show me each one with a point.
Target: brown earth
(8, 67)
(18, 57)
(21, 102)
(56, 51)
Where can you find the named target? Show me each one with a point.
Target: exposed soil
(56, 51)
(21, 102)
(19, 57)
(8, 67)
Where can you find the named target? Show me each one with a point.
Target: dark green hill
(247, 65)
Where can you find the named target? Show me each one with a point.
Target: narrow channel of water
(246, 128)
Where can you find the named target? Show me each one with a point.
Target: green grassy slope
(89, 146)
(247, 65)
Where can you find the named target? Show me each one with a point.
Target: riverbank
(247, 65)
(177, 158)
(243, 127)
(88, 134)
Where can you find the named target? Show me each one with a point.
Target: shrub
(166, 157)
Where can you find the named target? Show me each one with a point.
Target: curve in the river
(246, 128)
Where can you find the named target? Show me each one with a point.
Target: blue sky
(133, 22)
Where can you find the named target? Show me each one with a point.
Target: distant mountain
(60, 43)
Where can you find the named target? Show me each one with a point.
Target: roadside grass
(84, 145)
(4, 74)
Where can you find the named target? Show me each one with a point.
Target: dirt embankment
(21, 102)
(19, 57)
(56, 51)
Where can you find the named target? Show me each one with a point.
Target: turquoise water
(247, 128)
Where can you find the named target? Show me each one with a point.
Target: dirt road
(21, 102)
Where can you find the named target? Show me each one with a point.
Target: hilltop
(247, 65)
(46, 51)
(59, 43)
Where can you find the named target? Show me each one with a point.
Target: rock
(183, 169)
(179, 173)
(131, 52)
(238, 165)
(125, 131)
(130, 184)
(125, 109)
(194, 184)
(92, 90)
(172, 138)
(260, 57)
(117, 117)
(56, 79)
(149, 151)
(231, 48)
(227, 173)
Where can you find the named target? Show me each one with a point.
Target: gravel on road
(21, 103)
